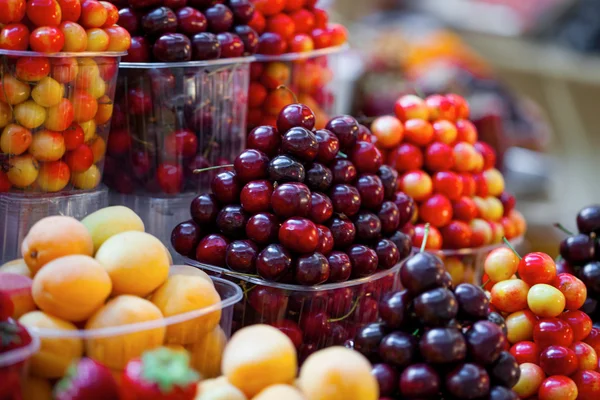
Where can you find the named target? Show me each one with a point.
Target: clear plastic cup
(310, 76)
(13, 368)
(313, 316)
(55, 114)
(115, 346)
(173, 118)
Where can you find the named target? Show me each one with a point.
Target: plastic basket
(55, 113)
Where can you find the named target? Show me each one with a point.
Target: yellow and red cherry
(112, 14)
(301, 43)
(537, 267)
(48, 92)
(510, 295)
(60, 116)
(418, 132)
(481, 232)
(80, 159)
(15, 139)
(32, 69)
(460, 105)
(558, 387)
(85, 106)
(494, 181)
(436, 210)
(14, 37)
(440, 107)
(434, 240)
(22, 170)
(71, 10)
(105, 110)
(87, 180)
(47, 145)
(416, 184)
(118, 39)
(13, 91)
(93, 14)
(388, 130)
(12, 11)
(30, 114)
(97, 39)
(44, 12)
(74, 137)
(488, 153)
(572, 288)
(466, 131)
(501, 264)
(6, 115)
(530, 380)
(64, 69)
(411, 107)
(53, 176)
(465, 156)
(545, 301)
(75, 36)
(525, 352)
(588, 384)
(47, 39)
(586, 356)
(98, 146)
(444, 131)
(338, 33)
(107, 68)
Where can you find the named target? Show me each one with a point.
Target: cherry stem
(289, 90)
(343, 317)
(425, 237)
(485, 283)
(562, 228)
(197, 171)
(343, 155)
(510, 246)
(416, 332)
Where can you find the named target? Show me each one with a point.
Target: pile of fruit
(292, 26)
(552, 339)
(55, 111)
(580, 256)
(435, 341)
(86, 275)
(182, 30)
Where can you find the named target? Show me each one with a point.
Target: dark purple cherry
(389, 179)
(390, 217)
(368, 338)
(262, 228)
(249, 38)
(273, 262)
(300, 143)
(368, 226)
(398, 349)
(340, 267)
(130, 20)
(387, 378)
(371, 191)
(578, 249)
(420, 381)
(485, 342)
(172, 47)
(505, 371)
(403, 242)
(363, 259)
(393, 309)
(468, 381)
(343, 231)
(231, 221)
(232, 45)
(318, 177)
(212, 250)
(588, 220)
(251, 165)
(241, 256)
(321, 208)
(295, 115)
(343, 171)
(346, 129)
(345, 199)
(205, 46)
(387, 253)
(219, 17)
(286, 169)
(422, 272)
(185, 238)
(190, 21)
(502, 393)
(436, 307)
(264, 138)
(406, 207)
(242, 11)
(291, 200)
(329, 146)
(472, 301)
(158, 21)
(326, 242)
(311, 269)
(204, 209)
(255, 197)
(226, 187)
(443, 346)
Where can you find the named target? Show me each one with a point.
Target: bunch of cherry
(296, 209)
(580, 256)
(184, 30)
(435, 341)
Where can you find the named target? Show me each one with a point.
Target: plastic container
(13, 369)
(115, 346)
(466, 265)
(55, 113)
(173, 118)
(310, 76)
(19, 211)
(313, 316)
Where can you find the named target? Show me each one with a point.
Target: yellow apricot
(206, 353)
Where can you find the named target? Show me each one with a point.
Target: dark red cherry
(343, 231)
(343, 171)
(300, 143)
(311, 269)
(318, 177)
(212, 249)
(286, 169)
(366, 157)
(271, 44)
(158, 21)
(321, 208)
(291, 200)
(256, 196)
(251, 165)
(232, 220)
(315, 325)
(186, 236)
(204, 209)
(363, 259)
(389, 215)
(226, 187)
(262, 228)
(326, 243)
(219, 17)
(345, 199)
(205, 46)
(346, 129)
(264, 138)
(387, 253)
(406, 207)
(232, 45)
(368, 226)
(241, 256)
(295, 115)
(273, 262)
(403, 242)
(329, 146)
(340, 267)
(270, 303)
(299, 235)
(389, 179)
(242, 10)
(371, 191)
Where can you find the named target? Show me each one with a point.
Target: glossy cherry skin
(419, 381)
(270, 303)
(291, 200)
(311, 269)
(262, 228)
(552, 331)
(249, 38)
(204, 209)
(190, 21)
(393, 308)
(468, 381)
(205, 46)
(389, 215)
(345, 199)
(212, 249)
(485, 342)
(340, 267)
(472, 301)
(368, 338)
(343, 231)
(185, 238)
(387, 378)
(329, 146)
(232, 220)
(226, 187)
(271, 44)
(172, 47)
(443, 345)
(295, 115)
(421, 272)
(255, 197)
(406, 207)
(241, 256)
(318, 177)
(389, 180)
(343, 171)
(284, 168)
(368, 226)
(387, 253)
(403, 242)
(251, 165)
(232, 45)
(326, 242)
(363, 259)
(273, 262)
(242, 10)
(300, 143)
(158, 21)
(366, 157)
(321, 209)
(346, 129)
(264, 138)
(371, 191)
(219, 17)
(558, 360)
(299, 235)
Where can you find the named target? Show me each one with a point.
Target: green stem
(416, 332)
(343, 317)
(562, 228)
(198, 171)
(510, 246)
(425, 237)
(485, 283)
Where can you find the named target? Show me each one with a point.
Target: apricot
(182, 294)
(17, 266)
(109, 221)
(206, 353)
(71, 287)
(218, 389)
(56, 353)
(188, 270)
(18, 288)
(278, 392)
(337, 373)
(259, 356)
(54, 237)
(36, 389)
(116, 350)
(136, 262)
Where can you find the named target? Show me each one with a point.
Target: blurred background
(530, 69)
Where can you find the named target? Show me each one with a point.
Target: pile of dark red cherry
(301, 206)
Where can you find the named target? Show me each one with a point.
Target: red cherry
(579, 321)
(469, 186)
(526, 352)
(44, 12)
(558, 360)
(439, 157)
(464, 209)
(304, 21)
(14, 37)
(460, 105)
(466, 131)
(299, 235)
(119, 142)
(182, 143)
(456, 235)
(47, 39)
(321, 38)
(488, 153)
(440, 107)
(552, 332)
(449, 184)
(537, 268)
(437, 210)
(269, 7)
(74, 136)
(434, 240)
(291, 329)
(6, 306)
(170, 177)
(588, 385)
(281, 24)
(481, 186)
(366, 157)
(405, 157)
(258, 23)
(80, 159)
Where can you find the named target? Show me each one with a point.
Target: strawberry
(87, 380)
(12, 336)
(6, 306)
(159, 374)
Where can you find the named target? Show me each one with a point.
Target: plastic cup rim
(188, 64)
(17, 53)
(20, 354)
